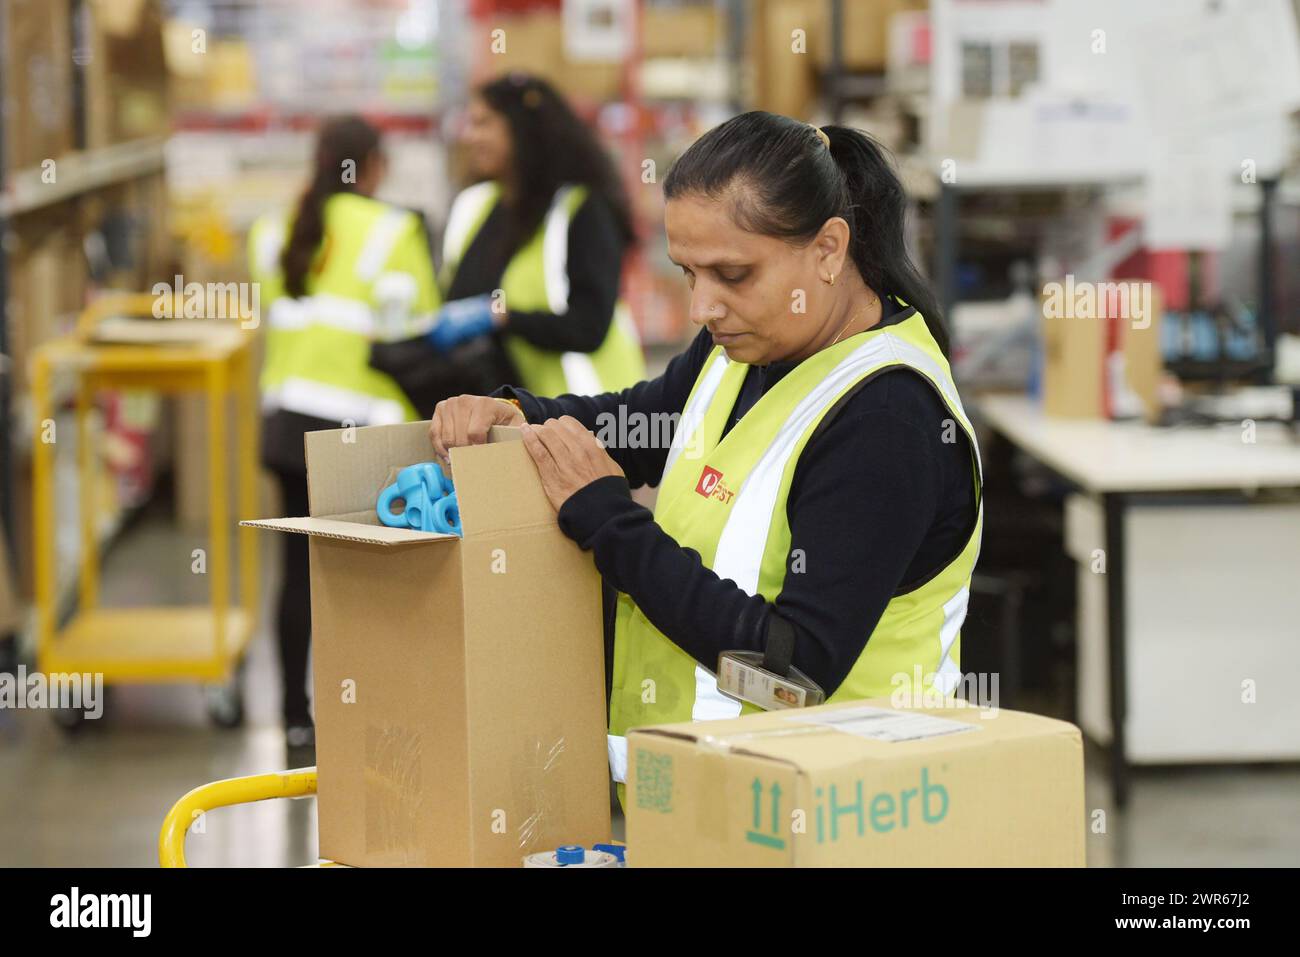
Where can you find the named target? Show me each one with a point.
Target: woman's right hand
(465, 420)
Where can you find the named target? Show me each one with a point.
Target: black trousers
(293, 617)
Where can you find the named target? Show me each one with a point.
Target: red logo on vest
(709, 480)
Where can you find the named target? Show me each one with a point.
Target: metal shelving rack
(23, 191)
(6, 487)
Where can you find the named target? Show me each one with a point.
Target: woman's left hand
(568, 457)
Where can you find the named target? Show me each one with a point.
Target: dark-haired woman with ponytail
(533, 251)
(340, 273)
(819, 506)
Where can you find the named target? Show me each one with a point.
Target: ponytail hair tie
(821, 133)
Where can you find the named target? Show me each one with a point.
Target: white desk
(1105, 457)
(1200, 590)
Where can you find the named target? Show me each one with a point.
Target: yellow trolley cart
(245, 790)
(203, 643)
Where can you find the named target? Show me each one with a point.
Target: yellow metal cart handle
(256, 787)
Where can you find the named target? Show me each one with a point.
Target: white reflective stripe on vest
(580, 376)
(616, 745)
(740, 547)
(466, 210)
(948, 675)
(379, 243)
(270, 241)
(394, 293)
(710, 703)
(693, 414)
(555, 252)
(739, 555)
(331, 402)
(919, 360)
(323, 309)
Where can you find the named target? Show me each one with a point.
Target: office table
(1117, 466)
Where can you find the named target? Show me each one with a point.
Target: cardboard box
(784, 78)
(126, 77)
(866, 32)
(695, 30)
(534, 43)
(47, 283)
(858, 784)
(1097, 365)
(787, 63)
(38, 72)
(459, 683)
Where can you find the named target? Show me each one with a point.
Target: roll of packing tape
(568, 857)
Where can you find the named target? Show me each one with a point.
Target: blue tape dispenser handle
(446, 515)
(431, 479)
(385, 508)
(430, 499)
(444, 484)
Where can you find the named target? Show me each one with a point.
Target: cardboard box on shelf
(866, 32)
(158, 253)
(459, 682)
(784, 80)
(1101, 350)
(47, 285)
(791, 44)
(232, 76)
(858, 784)
(692, 30)
(38, 70)
(125, 71)
(534, 43)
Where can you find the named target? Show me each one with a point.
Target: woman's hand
(465, 420)
(568, 457)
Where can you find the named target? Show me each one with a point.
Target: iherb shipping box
(858, 784)
(459, 683)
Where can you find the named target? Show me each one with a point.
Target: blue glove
(460, 321)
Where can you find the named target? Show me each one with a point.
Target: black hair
(781, 180)
(552, 147)
(341, 139)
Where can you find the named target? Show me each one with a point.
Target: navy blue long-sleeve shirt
(882, 499)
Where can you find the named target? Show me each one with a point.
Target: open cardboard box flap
(497, 486)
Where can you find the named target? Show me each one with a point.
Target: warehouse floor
(98, 798)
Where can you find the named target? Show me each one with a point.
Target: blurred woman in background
(342, 271)
(533, 252)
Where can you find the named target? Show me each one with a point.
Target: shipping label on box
(858, 784)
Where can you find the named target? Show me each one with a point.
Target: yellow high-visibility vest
(537, 280)
(725, 497)
(375, 281)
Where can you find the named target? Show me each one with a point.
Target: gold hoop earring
(830, 281)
